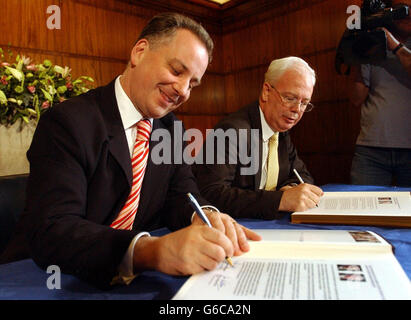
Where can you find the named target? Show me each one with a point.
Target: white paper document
(364, 203)
(306, 264)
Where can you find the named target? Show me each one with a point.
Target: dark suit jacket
(80, 178)
(239, 195)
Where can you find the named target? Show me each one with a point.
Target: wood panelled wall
(325, 137)
(92, 40)
(96, 37)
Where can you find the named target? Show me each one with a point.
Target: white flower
(64, 72)
(26, 61)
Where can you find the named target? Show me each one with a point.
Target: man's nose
(182, 88)
(297, 107)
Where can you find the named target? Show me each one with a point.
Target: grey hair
(279, 66)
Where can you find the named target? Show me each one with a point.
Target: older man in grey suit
(284, 98)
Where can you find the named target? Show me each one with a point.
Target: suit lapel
(254, 114)
(283, 161)
(118, 146)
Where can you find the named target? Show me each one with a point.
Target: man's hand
(300, 198)
(195, 248)
(403, 54)
(237, 233)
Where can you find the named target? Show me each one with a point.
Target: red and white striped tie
(126, 216)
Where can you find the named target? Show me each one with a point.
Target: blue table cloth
(24, 280)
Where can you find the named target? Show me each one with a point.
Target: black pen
(203, 217)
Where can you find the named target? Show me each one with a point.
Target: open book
(305, 264)
(390, 209)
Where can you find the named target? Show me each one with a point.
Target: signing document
(306, 264)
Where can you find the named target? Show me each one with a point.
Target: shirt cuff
(125, 269)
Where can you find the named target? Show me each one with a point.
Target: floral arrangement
(27, 90)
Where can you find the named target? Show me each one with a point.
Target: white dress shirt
(130, 116)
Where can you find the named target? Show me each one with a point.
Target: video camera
(368, 45)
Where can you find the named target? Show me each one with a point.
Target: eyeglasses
(290, 101)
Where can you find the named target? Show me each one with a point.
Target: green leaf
(51, 90)
(47, 95)
(3, 98)
(41, 68)
(47, 63)
(20, 65)
(18, 89)
(61, 89)
(31, 111)
(58, 69)
(16, 73)
(23, 111)
(36, 106)
(87, 78)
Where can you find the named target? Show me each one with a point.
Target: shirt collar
(265, 128)
(130, 115)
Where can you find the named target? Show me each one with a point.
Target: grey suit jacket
(238, 194)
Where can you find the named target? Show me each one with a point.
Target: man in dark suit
(84, 171)
(273, 186)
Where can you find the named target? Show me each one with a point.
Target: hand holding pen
(300, 198)
(301, 180)
(203, 217)
(195, 248)
(235, 232)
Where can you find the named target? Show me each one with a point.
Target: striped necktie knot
(143, 130)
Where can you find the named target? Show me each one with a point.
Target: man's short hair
(279, 66)
(164, 26)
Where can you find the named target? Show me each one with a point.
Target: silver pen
(301, 180)
(298, 176)
(203, 217)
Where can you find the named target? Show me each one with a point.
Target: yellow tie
(272, 163)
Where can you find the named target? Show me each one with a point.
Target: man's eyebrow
(194, 81)
(296, 96)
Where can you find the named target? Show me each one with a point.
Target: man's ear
(265, 91)
(138, 51)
